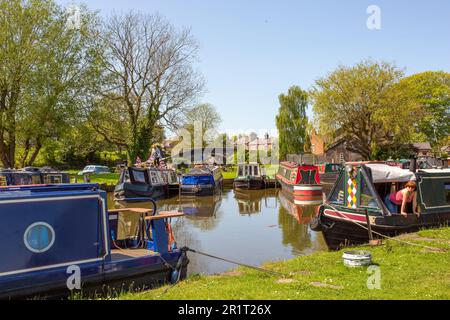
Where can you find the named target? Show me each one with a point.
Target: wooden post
(368, 225)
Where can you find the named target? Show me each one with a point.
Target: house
(317, 144)
(422, 149)
(337, 152)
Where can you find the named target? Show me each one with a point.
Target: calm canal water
(251, 227)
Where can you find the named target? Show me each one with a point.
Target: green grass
(406, 272)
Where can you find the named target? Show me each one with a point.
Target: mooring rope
(235, 262)
(382, 235)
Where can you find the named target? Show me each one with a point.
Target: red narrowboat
(302, 181)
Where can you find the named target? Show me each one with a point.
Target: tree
(47, 70)
(150, 79)
(206, 117)
(292, 121)
(432, 91)
(367, 106)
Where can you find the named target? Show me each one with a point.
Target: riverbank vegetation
(406, 271)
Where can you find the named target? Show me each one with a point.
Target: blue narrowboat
(59, 238)
(201, 181)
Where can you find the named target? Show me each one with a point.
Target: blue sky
(251, 51)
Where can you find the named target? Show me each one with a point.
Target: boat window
(338, 193)
(255, 170)
(241, 171)
(249, 171)
(39, 237)
(154, 177)
(139, 176)
(3, 181)
(367, 199)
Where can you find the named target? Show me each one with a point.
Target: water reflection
(248, 226)
(251, 201)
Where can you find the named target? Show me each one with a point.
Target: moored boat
(249, 177)
(151, 182)
(32, 176)
(355, 203)
(202, 180)
(302, 181)
(329, 172)
(59, 238)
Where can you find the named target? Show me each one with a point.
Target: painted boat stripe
(345, 215)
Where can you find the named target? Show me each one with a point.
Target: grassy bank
(231, 172)
(406, 272)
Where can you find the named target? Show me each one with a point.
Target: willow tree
(151, 82)
(367, 106)
(46, 73)
(292, 121)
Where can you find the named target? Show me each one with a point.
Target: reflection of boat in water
(198, 207)
(251, 201)
(302, 213)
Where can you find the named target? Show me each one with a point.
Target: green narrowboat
(355, 204)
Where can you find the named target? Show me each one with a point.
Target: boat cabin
(363, 186)
(250, 170)
(58, 238)
(10, 177)
(298, 174)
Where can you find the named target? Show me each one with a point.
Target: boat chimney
(413, 164)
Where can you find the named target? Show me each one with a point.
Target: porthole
(39, 237)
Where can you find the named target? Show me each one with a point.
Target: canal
(251, 227)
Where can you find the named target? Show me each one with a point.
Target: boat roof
(446, 170)
(294, 165)
(384, 173)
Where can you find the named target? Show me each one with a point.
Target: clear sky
(251, 51)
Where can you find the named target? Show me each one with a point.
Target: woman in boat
(401, 198)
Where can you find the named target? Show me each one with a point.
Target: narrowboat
(60, 238)
(329, 172)
(249, 177)
(301, 181)
(355, 204)
(135, 182)
(201, 181)
(32, 175)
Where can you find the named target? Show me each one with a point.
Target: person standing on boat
(401, 198)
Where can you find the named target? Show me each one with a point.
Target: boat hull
(303, 194)
(118, 276)
(129, 190)
(343, 228)
(249, 184)
(199, 190)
